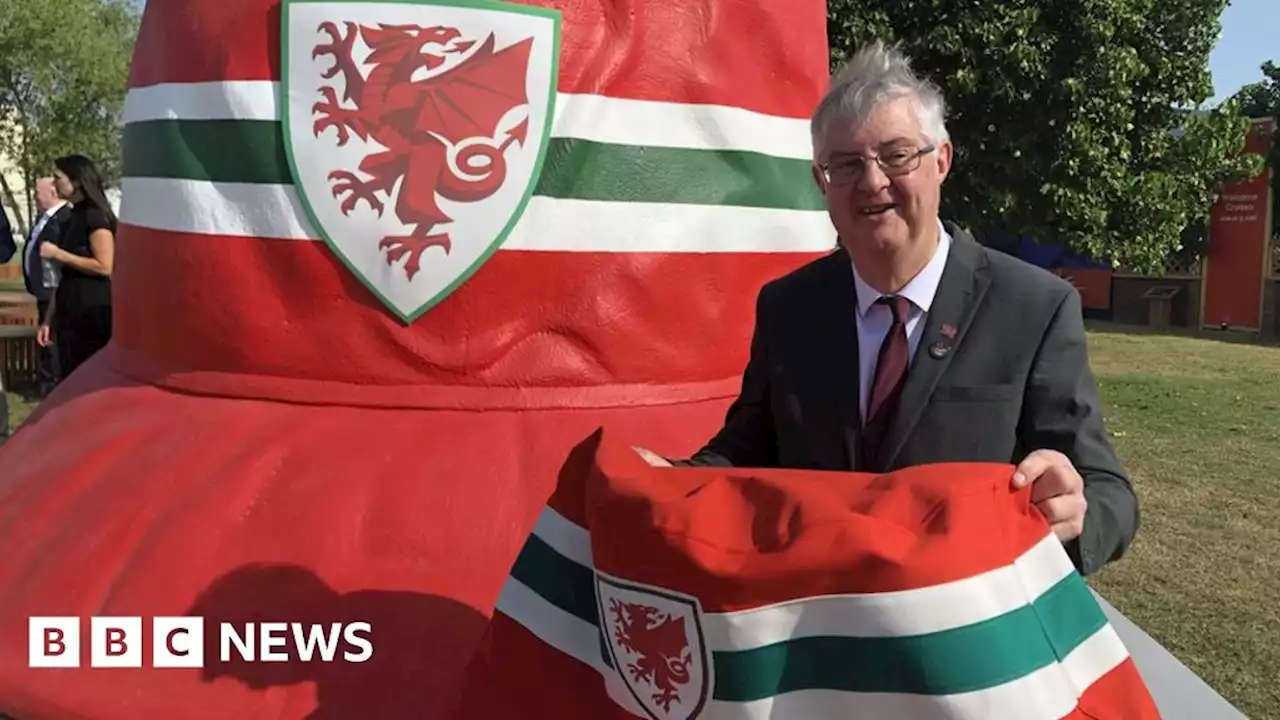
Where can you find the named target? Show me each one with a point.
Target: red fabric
(119, 498)
(580, 329)
(766, 56)
(1119, 695)
(263, 433)
(740, 539)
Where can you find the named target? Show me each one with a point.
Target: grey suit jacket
(8, 246)
(38, 273)
(1013, 377)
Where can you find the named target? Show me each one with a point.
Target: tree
(1074, 121)
(64, 68)
(1261, 100)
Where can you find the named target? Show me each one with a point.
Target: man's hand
(49, 251)
(651, 457)
(1057, 491)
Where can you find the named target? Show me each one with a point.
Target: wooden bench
(19, 356)
(19, 314)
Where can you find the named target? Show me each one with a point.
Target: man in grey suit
(912, 343)
(41, 275)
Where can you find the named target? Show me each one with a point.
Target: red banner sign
(1094, 285)
(1237, 263)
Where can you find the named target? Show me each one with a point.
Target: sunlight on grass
(1197, 423)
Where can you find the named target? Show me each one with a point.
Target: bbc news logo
(178, 642)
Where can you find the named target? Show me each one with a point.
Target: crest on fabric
(657, 648)
(415, 133)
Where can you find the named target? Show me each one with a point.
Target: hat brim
(122, 498)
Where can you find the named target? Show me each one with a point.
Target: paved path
(1178, 692)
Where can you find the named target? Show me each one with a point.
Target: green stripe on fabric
(584, 170)
(1069, 614)
(557, 579)
(965, 659)
(252, 151)
(240, 151)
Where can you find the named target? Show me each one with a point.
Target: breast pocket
(976, 393)
(971, 423)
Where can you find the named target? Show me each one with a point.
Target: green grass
(19, 409)
(1196, 419)
(1197, 422)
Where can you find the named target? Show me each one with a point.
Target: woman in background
(79, 317)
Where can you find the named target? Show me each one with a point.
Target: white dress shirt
(875, 320)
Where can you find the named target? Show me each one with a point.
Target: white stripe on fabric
(563, 631)
(565, 537)
(548, 224)
(896, 614)
(205, 208)
(1095, 657)
(246, 100)
(677, 125)
(1046, 694)
(587, 117)
(1049, 693)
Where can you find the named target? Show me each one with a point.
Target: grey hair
(875, 75)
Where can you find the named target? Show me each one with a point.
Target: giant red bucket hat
(380, 265)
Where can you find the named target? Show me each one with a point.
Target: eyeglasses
(848, 169)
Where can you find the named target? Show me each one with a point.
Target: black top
(79, 290)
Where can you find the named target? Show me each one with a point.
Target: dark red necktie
(890, 377)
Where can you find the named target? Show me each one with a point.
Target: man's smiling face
(877, 211)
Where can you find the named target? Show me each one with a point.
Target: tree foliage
(1262, 100)
(1073, 120)
(63, 71)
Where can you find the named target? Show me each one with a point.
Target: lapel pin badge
(940, 348)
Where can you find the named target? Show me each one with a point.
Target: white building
(15, 182)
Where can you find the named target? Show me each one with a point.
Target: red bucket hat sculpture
(381, 265)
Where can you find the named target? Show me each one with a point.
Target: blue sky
(1250, 35)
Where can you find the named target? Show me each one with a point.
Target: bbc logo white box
(115, 642)
(177, 642)
(53, 642)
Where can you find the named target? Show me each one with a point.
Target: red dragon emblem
(660, 641)
(439, 132)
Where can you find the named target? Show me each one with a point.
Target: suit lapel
(839, 323)
(964, 282)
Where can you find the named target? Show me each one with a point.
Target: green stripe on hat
(252, 151)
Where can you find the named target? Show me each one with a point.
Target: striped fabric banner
(622, 175)
(765, 597)
(675, 183)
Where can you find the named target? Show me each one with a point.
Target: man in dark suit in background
(40, 275)
(7, 248)
(912, 343)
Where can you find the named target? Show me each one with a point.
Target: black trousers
(79, 334)
(47, 373)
